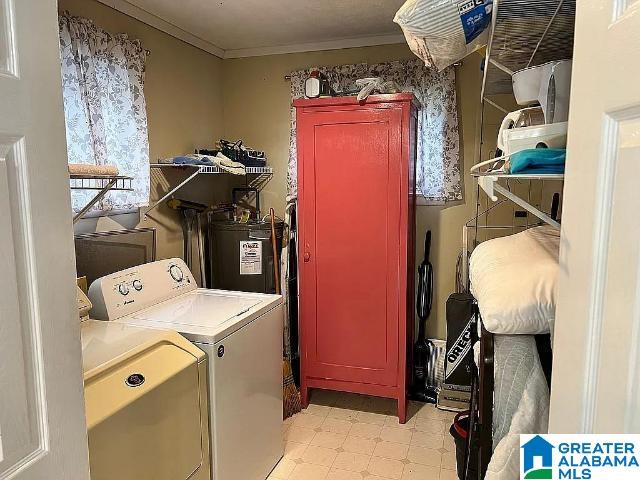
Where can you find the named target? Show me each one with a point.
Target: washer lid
(204, 315)
(105, 345)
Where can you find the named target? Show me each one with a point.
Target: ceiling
(240, 28)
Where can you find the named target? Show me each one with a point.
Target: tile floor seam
(340, 420)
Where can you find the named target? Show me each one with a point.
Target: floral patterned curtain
(105, 110)
(438, 169)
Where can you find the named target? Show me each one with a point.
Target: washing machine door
(144, 417)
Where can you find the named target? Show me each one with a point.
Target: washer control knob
(137, 284)
(123, 289)
(176, 273)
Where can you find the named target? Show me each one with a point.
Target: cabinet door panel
(350, 227)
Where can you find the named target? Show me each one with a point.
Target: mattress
(521, 402)
(514, 279)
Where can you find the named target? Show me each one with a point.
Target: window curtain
(105, 110)
(438, 171)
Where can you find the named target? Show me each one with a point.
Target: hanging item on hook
(443, 32)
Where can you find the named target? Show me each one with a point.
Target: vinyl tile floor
(343, 436)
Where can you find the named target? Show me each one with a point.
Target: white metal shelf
(98, 182)
(102, 184)
(489, 183)
(261, 176)
(214, 169)
(523, 34)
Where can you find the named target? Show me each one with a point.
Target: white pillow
(514, 278)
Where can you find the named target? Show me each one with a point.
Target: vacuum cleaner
(423, 348)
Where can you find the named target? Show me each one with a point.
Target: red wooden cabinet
(356, 210)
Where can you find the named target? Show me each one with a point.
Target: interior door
(596, 368)
(350, 242)
(42, 426)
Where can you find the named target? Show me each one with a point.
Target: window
(438, 176)
(104, 106)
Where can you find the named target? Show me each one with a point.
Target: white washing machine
(240, 332)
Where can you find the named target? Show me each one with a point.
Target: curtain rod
(457, 64)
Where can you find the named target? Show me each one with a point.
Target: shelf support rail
(495, 105)
(173, 190)
(526, 205)
(94, 200)
(544, 34)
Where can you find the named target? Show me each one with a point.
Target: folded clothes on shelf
(193, 159)
(538, 161)
(229, 165)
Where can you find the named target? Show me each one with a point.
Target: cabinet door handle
(307, 257)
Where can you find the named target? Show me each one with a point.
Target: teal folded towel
(538, 161)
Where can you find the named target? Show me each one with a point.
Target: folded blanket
(538, 161)
(88, 169)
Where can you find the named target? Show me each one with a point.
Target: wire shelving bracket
(261, 175)
(100, 183)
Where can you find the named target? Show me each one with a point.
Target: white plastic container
(552, 135)
(549, 85)
(526, 117)
(526, 85)
(555, 89)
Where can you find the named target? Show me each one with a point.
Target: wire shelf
(526, 176)
(215, 170)
(100, 182)
(259, 176)
(526, 33)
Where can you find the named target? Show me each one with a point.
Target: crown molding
(169, 28)
(316, 46)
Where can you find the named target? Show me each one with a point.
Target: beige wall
(183, 92)
(256, 108)
(194, 98)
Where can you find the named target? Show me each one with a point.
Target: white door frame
(596, 365)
